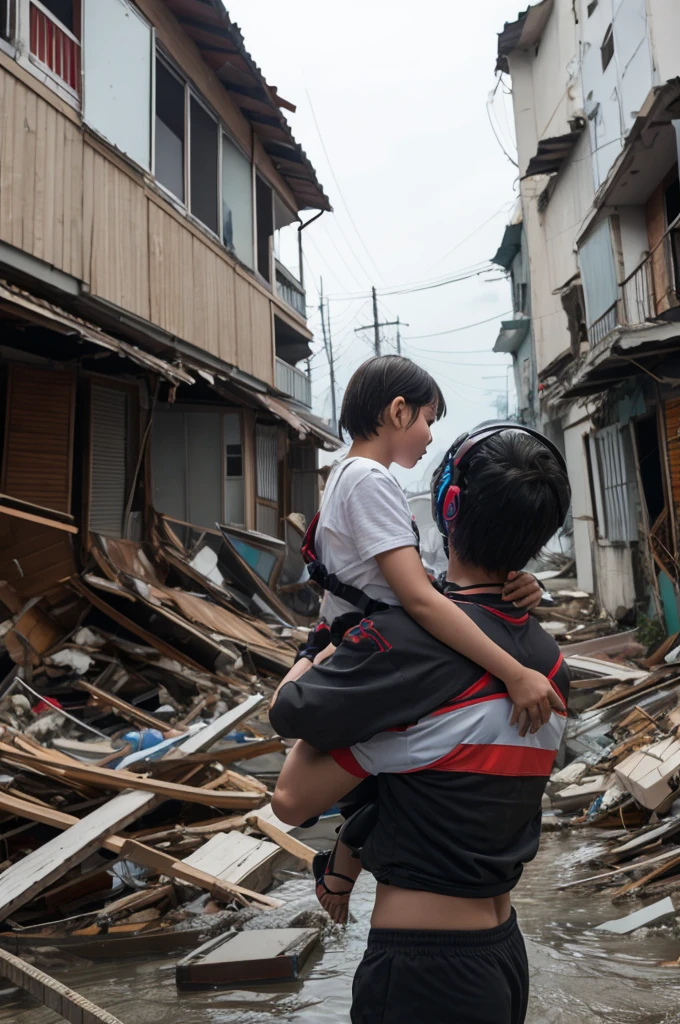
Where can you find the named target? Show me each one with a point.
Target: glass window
(203, 158)
(234, 503)
(169, 147)
(237, 202)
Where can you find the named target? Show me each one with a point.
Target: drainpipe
(302, 227)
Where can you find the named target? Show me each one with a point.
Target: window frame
(607, 48)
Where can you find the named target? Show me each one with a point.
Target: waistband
(399, 938)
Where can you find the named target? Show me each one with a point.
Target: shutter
(672, 411)
(266, 444)
(39, 436)
(108, 468)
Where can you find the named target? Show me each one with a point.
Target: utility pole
(398, 337)
(328, 346)
(376, 325)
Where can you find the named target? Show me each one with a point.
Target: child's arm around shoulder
(529, 690)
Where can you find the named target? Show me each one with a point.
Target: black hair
(376, 384)
(511, 495)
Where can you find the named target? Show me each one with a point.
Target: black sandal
(336, 904)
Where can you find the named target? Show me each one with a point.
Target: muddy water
(578, 976)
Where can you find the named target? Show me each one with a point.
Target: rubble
(136, 757)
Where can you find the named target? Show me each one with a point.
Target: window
(65, 12)
(117, 92)
(265, 227)
(233, 483)
(607, 48)
(237, 202)
(614, 490)
(170, 113)
(266, 462)
(203, 141)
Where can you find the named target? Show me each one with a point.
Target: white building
(596, 100)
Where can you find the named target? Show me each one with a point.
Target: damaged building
(593, 255)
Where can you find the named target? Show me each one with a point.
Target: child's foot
(334, 887)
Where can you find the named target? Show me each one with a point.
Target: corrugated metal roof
(552, 153)
(524, 33)
(221, 44)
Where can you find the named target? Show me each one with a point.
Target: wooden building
(152, 305)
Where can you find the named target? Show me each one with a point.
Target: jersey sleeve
(378, 515)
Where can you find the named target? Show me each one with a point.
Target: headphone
(447, 482)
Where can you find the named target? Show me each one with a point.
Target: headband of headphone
(447, 481)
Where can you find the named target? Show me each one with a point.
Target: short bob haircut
(511, 495)
(376, 384)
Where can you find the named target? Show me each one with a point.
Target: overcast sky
(420, 187)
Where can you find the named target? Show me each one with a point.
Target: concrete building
(596, 98)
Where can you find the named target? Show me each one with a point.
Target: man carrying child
(458, 786)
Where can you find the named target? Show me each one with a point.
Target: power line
(455, 330)
(441, 259)
(496, 136)
(340, 192)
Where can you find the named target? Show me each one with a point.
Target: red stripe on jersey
(344, 757)
(495, 759)
(516, 620)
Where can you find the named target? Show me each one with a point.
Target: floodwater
(578, 976)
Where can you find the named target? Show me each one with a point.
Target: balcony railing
(293, 382)
(53, 46)
(647, 294)
(290, 290)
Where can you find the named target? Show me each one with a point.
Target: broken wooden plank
(247, 958)
(127, 711)
(130, 849)
(648, 915)
(51, 993)
(122, 780)
(661, 870)
(29, 876)
(282, 839)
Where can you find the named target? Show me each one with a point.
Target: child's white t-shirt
(363, 513)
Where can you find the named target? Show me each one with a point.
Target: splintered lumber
(221, 888)
(51, 993)
(661, 870)
(282, 839)
(29, 876)
(125, 710)
(108, 778)
(137, 852)
(250, 958)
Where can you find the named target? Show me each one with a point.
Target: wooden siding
(41, 178)
(70, 201)
(116, 247)
(34, 557)
(39, 436)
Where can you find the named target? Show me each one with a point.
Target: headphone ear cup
(451, 504)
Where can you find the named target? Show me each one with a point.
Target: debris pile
(136, 758)
(620, 771)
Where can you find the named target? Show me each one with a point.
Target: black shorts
(442, 977)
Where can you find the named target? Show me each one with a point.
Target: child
(365, 539)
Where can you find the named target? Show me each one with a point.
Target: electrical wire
(455, 330)
(340, 192)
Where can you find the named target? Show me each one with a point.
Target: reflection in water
(578, 976)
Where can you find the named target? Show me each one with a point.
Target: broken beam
(33, 873)
(51, 993)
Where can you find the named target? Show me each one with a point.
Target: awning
(221, 45)
(512, 334)
(552, 153)
(24, 306)
(509, 247)
(524, 33)
(623, 354)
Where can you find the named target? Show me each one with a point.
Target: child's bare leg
(308, 785)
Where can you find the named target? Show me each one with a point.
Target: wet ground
(578, 976)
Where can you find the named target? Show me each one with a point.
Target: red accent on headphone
(451, 504)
